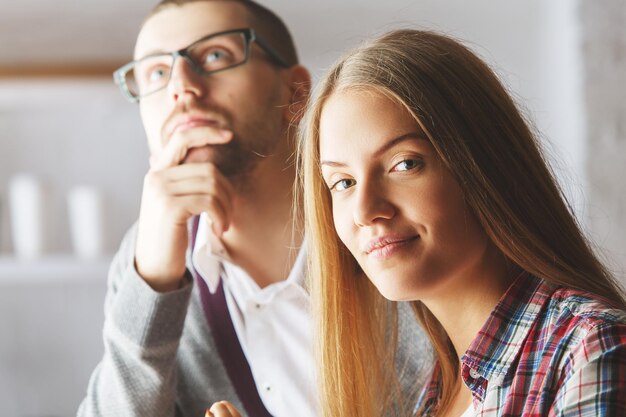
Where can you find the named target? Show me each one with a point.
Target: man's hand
(222, 409)
(172, 193)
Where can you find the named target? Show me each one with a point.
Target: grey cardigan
(160, 359)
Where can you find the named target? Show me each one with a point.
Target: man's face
(247, 100)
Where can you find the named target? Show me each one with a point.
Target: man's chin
(230, 164)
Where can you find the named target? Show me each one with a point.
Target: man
(207, 299)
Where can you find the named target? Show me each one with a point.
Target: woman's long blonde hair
(484, 141)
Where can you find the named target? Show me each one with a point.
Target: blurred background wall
(63, 121)
(603, 46)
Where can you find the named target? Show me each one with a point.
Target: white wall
(51, 341)
(71, 133)
(67, 133)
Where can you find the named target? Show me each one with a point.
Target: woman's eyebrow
(399, 139)
(385, 147)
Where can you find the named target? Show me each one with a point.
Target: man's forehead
(175, 27)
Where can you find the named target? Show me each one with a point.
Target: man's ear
(299, 91)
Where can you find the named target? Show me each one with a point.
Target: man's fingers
(232, 409)
(200, 186)
(206, 172)
(197, 187)
(180, 142)
(222, 409)
(195, 205)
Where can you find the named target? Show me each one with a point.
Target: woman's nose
(372, 204)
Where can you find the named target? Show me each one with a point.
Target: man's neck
(264, 237)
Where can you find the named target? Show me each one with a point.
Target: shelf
(53, 269)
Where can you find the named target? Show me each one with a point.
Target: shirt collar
(207, 240)
(497, 345)
(207, 252)
(210, 258)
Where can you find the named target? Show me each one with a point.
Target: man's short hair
(264, 21)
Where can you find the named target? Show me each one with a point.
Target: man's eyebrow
(385, 147)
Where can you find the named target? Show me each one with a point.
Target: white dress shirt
(273, 326)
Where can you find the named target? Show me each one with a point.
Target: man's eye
(408, 164)
(342, 185)
(157, 74)
(216, 55)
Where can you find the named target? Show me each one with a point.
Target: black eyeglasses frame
(249, 34)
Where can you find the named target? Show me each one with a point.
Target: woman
(423, 182)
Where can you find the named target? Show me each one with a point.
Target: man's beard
(235, 160)
(251, 143)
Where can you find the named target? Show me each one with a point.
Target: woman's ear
(299, 91)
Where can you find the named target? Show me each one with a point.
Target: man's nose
(185, 81)
(372, 204)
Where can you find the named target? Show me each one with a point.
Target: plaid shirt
(544, 351)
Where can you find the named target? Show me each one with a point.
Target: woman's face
(395, 205)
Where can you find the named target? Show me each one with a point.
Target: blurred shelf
(24, 72)
(53, 269)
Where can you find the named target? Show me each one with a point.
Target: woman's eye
(407, 165)
(342, 185)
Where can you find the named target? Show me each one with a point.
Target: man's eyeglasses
(211, 54)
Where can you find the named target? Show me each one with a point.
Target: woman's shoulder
(582, 326)
(583, 309)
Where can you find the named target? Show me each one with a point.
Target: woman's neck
(467, 301)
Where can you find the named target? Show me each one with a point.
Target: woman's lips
(384, 247)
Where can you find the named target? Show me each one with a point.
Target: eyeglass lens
(213, 54)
